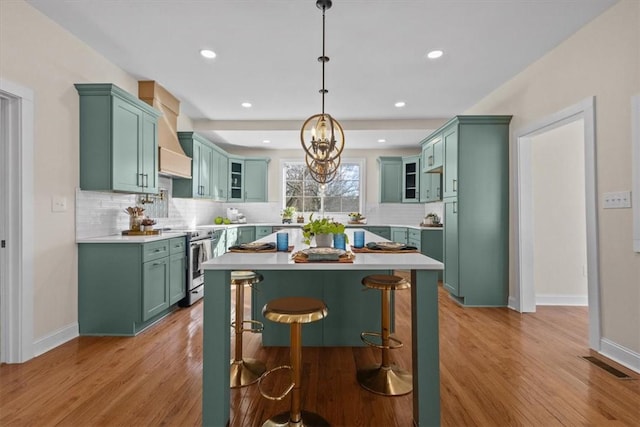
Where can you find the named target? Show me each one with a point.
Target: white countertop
(117, 238)
(282, 260)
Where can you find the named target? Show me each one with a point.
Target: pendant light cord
(323, 59)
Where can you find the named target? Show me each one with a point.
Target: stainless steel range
(199, 249)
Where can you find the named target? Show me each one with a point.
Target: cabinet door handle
(438, 192)
(455, 185)
(430, 160)
(455, 207)
(140, 180)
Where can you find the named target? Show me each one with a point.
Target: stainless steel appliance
(199, 250)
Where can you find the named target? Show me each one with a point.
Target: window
(343, 194)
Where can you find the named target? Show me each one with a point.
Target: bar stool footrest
(269, 372)
(364, 337)
(257, 330)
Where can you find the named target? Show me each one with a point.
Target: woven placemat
(245, 251)
(384, 251)
(347, 258)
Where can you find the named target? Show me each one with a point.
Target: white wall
(560, 246)
(603, 60)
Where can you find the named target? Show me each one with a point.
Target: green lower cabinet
(219, 242)
(125, 287)
(414, 238)
(246, 235)
(262, 231)
(351, 311)
(384, 232)
(399, 234)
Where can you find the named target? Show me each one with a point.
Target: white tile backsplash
(103, 213)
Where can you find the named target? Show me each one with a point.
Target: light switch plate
(58, 204)
(617, 200)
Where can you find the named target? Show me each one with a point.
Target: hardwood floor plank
(498, 368)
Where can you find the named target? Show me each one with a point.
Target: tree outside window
(341, 195)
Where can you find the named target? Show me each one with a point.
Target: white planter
(324, 240)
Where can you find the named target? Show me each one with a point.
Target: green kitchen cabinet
(411, 179)
(200, 185)
(390, 179)
(384, 232)
(236, 180)
(246, 234)
(430, 187)
(432, 154)
(231, 237)
(124, 288)
(432, 245)
(262, 231)
(399, 234)
(219, 242)
(255, 180)
(118, 140)
(220, 175)
(476, 209)
(414, 238)
(177, 270)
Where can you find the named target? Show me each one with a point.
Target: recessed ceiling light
(382, 140)
(400, 104)
(266, 141)
(208, 53)
(246, 104)
(434, 54)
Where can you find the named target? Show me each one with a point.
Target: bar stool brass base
(388, 381)
(245, 372)
(309, 419)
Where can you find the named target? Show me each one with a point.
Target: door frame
(16, 283)
(523, 299)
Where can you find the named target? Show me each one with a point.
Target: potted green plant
(287, 214)
(323, 230)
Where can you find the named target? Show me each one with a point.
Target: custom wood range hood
(171, 158)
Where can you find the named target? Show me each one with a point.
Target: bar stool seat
(244, 371)
(386, 379)
(295, 311)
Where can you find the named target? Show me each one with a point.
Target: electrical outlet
(58, 204)
(617, 200)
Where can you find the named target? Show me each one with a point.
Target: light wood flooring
(498, 368)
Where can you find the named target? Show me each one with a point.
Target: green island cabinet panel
(255, 180)
(476, 209)
(118, 140)
(202, 182)
(390, 179)
(351, 311)
(124, 288)
(432, 245)
(411, 179)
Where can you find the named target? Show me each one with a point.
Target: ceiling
(267, 55)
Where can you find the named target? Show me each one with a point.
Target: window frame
(361, 162)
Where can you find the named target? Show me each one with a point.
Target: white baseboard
(552, 299)
(55, 338)
(512, 303)
(620, 354)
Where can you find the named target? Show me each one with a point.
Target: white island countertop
(283, 260)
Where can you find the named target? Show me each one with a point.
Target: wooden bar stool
(386, 379)
(244, 371)
(295, 311)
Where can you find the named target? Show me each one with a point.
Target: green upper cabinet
(255, 180)
(236, 179)
(220, 178)
(118, 140)
(432, 154)
(202, 181)
(430, 187)
(390, 179)
(411, 179)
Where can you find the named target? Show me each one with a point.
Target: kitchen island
(278, 266)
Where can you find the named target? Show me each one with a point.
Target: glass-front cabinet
(236, 179)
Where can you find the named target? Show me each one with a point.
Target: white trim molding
(55, 338)
(552, 299)
(635, 190)
(620, 354)
(524, 298)
(16, 310)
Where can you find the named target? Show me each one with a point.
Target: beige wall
(601, 60)
(560, 241)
